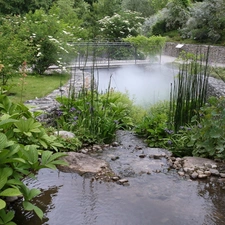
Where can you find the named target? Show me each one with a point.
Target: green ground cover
(32, 86)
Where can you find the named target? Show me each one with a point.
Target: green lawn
(34, 86)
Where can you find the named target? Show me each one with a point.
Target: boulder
(82, 164)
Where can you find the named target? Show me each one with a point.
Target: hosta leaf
(6, 217)
(10, 192)
(4, 174)
(29, 207)
(3, 141)
(2, 204)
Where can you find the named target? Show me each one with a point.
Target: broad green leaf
(6, 217)
(29, 207)
(3, 141)
(14, 182)
(4, 174)
(31, 154)
(45, 158)
(33, 193)
(2, 204)
(7, 121)
(10, 192)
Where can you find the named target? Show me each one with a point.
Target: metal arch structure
(102, 43)
(87, 51)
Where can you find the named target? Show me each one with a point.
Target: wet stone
(194, 175)
(222, 175)
(142, 156)
(181, 173)
(202, 176)
(122, 181)
(214, 172)
(113, 158)
(115, 144)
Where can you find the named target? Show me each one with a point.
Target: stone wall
(216, 56)
(216, 53)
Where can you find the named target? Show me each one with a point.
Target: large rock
(197, 162)
(83, 164)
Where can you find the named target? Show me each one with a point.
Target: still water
(144, 85)
(162, 198)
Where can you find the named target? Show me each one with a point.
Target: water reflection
(155, 199)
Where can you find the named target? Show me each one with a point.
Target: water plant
(189, 91)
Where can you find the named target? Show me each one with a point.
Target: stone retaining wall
(216, 56)
(216, 53)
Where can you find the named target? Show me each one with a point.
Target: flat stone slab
(193, 162)
(82, 163)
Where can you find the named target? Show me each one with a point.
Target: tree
(13, 49)
(206, 21)
(18, 7)
(142, 6)
(50, 38)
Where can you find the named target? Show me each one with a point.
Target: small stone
(122, 181)
(11, 198)
(214, 166)
(115, 178)
(84, 151)
(142, 156)
(114, 158)
(188, 170)
(214, 172)
(149, 173)
(181, 173)
(207, 172)
(201, 176)
(115, 144)
(157, 156)
(221, 180)
(194, 175)
(138, 147)
(208, 165)
(222, 175)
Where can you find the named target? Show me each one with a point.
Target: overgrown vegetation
(24, 149)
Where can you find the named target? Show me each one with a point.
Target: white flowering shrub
(121, 25)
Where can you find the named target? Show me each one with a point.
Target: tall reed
(189, 90)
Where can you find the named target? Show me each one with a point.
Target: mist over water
(144, 85)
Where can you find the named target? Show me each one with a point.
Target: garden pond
(154, 194)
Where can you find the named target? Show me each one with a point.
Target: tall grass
(92, 116)
(189, 90)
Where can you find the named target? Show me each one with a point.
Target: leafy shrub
(154, 124)
(208, 138)
(22, 140)
(94, 117)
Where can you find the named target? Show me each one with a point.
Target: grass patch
(35, 86)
